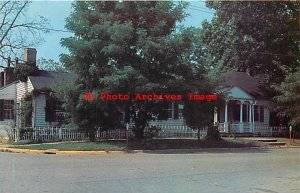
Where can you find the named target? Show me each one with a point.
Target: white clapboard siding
(39, 111)
(266, 116)
(21, 90)
(29, 85)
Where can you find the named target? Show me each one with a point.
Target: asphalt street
(233, 171)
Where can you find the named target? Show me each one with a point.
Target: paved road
(233, 171)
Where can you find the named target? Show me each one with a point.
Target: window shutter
(1, 110)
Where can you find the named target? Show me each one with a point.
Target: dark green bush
(152, 131)
(213, 133)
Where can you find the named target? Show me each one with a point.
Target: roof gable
(242, 80)
(238, 93)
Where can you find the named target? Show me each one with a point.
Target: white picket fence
(180, 131)
(270, 131)
(65, 134)
(165, 131)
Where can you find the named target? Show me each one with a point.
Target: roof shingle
(47, 79)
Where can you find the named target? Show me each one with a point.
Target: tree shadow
(192, 146)
(209, 150)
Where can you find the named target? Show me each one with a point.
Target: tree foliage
(22, 71)
(129, 47)
(26, 111)
(260, 36)
(288, 102)
(50, 65)
(17, 29)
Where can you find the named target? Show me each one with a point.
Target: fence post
(59, 134)
(52, 134)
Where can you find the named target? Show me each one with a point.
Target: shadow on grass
(157, 146)
(183, 146)
(208, 150)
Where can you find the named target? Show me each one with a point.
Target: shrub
(213, 133)
(152, 131)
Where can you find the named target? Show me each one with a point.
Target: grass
(154, 144)
(75, 146)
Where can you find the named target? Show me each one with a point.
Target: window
(175, 111)
(7, 109)
(54, 110)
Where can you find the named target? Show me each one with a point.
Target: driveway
(228, 170)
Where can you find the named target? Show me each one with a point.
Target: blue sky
(58, 11)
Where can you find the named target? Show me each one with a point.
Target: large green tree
(262, 37)
(288, 102)
(129, 47)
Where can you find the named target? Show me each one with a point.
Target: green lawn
(154, 144)
(76, 146)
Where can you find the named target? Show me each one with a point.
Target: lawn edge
(102, 152)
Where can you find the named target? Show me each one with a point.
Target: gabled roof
(244, 81)
(47, 79)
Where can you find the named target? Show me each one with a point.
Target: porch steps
(247, 134)
(268, 141)
(275, 143)
(271, 142)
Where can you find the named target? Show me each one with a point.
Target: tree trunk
(139, 132)
(92, 135)
(198, 134)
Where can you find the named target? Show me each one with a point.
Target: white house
(45, 111)
(245, 108)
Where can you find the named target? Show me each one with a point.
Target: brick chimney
(30, 56)
(8, 76)
(1, 79)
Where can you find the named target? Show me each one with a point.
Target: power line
(203, 8)
(200, 10)
(59, 30)
(52, 29)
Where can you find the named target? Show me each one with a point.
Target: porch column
(226, 113)
(250, 117)
(215, 116)
(226, 118)
(253, 114)
(241, 116)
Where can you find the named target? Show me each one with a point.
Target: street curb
(54, 151)
(102, 152)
